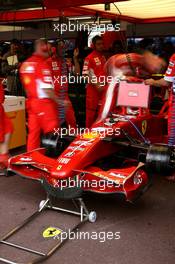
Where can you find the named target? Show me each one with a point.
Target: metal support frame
(46, 204)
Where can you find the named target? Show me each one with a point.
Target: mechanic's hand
(66, 104)
(149, 82)
(133, 79)
(76, 52)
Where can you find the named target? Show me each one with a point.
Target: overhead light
(6, 28)
(31, 9)
(80, 18)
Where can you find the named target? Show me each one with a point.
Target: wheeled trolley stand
(83, 213)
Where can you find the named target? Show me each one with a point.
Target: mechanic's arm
(91, 77)
(159, 83)
(76, 62)
(169, 75)
(51, 94)
(5, 68)
(95, 83)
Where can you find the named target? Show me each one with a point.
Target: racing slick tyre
(158, 159)
(53, 144)
(92, 217)
(9, 173)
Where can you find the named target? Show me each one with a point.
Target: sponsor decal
(47, 79)
(76, 148)
(25, 159)
(27, 80)
(169, 71)
(171, 64)
(133, 93)
(105, 177)
(46, 72)
(69, 154)
(91, 135)
(137, 179)
(83, 142)
(28, 69)
(118, 175)
(64, 160)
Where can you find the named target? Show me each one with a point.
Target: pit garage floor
(147, 228)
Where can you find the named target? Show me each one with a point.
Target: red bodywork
(78, 160)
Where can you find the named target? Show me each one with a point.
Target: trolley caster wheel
(41, 204)
(92, 217)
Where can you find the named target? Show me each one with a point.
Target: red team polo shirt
(170, 77)
(36, 76)
(5, 122)
(93, 67)
(94, 64)
(170, 73)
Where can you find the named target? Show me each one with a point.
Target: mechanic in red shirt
(93, 68)
(6, 130)
(131, 67)
(55, 62)
(168, 80)
(42, 102)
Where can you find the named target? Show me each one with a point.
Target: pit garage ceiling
(139, 10)
(134, 11)
(143, 10)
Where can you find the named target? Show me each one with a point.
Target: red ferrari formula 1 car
(113, 158)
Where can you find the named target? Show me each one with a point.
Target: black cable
(123, 42)
(14, 20)
(44, 17)
(96, 17)
(117, 9)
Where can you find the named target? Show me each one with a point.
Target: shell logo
(91, 135)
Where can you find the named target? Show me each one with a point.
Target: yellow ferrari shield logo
(59, 167)
(51, 232)
(144, 127)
